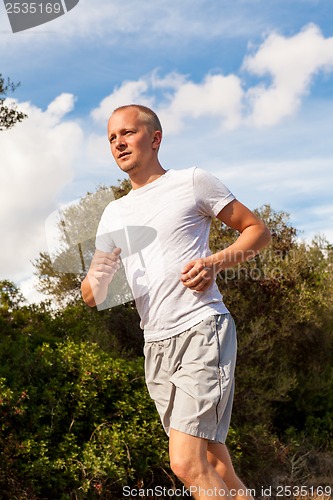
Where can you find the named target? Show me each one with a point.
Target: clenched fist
(104, 265)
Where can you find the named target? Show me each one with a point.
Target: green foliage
(11, 297)
(80, 423)
(9, 115)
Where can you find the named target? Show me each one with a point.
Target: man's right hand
(104, 265)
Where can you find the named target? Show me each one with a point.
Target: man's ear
(157, 139)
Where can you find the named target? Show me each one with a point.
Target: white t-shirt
(160, 228)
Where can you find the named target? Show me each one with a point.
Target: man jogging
(190, 336)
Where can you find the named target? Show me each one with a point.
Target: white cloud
(61, 106)
(30, 291)
(127, 93)
(172, 80)
(292, 64)
(37, 161)
(217, 96)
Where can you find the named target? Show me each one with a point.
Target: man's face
(132, 145)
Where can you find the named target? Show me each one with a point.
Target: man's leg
(218, 456)
(188, 460)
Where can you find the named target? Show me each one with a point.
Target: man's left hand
(198, 275)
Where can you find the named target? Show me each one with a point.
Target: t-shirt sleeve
(211, 195)
(103, 240)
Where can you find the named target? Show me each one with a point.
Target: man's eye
(112, 139)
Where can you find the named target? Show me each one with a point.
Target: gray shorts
(191, 378)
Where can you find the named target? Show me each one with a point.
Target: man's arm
(199, 274)
(95, 285)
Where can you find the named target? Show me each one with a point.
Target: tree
(9, 115)
(10, 295)
(60, 271)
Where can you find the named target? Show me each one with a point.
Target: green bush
(79, 425)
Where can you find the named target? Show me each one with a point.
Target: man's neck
(141, 178)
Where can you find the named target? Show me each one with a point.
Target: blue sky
(244, 89)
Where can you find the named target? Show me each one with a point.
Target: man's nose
(120, 142)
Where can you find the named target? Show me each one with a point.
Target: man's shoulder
(191, 171)
(194, 174)
(182, 173)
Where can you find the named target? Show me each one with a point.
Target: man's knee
(187, 468)
(188, 456)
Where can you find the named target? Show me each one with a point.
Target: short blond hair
(148, 115)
